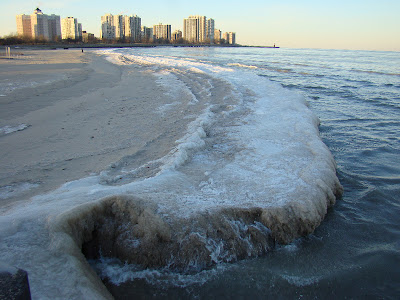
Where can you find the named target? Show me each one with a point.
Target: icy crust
(130, 229)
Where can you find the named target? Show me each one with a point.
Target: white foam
(242, 66)
(118, 272)
(10, 129)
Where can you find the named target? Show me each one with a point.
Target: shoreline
(119, 45)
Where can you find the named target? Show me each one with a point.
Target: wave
(10, 129)
(242, 65)
(375, 72)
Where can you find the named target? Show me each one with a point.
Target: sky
(325, 24)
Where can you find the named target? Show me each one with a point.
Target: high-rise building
(120, 27)
(132, 28)
(232, 38)
(229, 37)
(217, 36)
(39, 25)
(24, 25)
(225, 36)
(210, 30)
(118, 23)
(161, 31)
(195, 29)
(176, 35)
(202, 29)
(87, 37)
(190, 30)
(71, 29)
(107, 27)
(147, 34)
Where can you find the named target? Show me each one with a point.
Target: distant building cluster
(121, 28)
(39, 25)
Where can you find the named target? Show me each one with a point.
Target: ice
(16, 189)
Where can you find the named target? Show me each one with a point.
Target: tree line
(14, 39)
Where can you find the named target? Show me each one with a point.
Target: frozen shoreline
(196, 170)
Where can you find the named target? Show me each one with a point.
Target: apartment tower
(195, 29)
(217, 36)
(120, 27)
(176, 35)
(71, 29)
(161, 31)
(132, 28)
(39, 25)
(147, 34)
(210, 28)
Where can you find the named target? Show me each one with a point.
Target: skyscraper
(71, 29)
(24, 27)
(39, 25)
(190, 30)
(202, 28)
(210, 30)
(132, 28)
(195, 29)
(232, 38)
(161, 31)
(217, 36)
(107, 27)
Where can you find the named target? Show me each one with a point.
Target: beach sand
(64, 115)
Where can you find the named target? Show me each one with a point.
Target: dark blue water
(355, 253)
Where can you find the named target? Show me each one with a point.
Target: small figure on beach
(82, 50)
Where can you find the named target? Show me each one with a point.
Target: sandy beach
(64, 115)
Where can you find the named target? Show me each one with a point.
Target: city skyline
(120, 28)
(363, 25)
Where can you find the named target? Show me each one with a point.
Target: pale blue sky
(340, 24)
